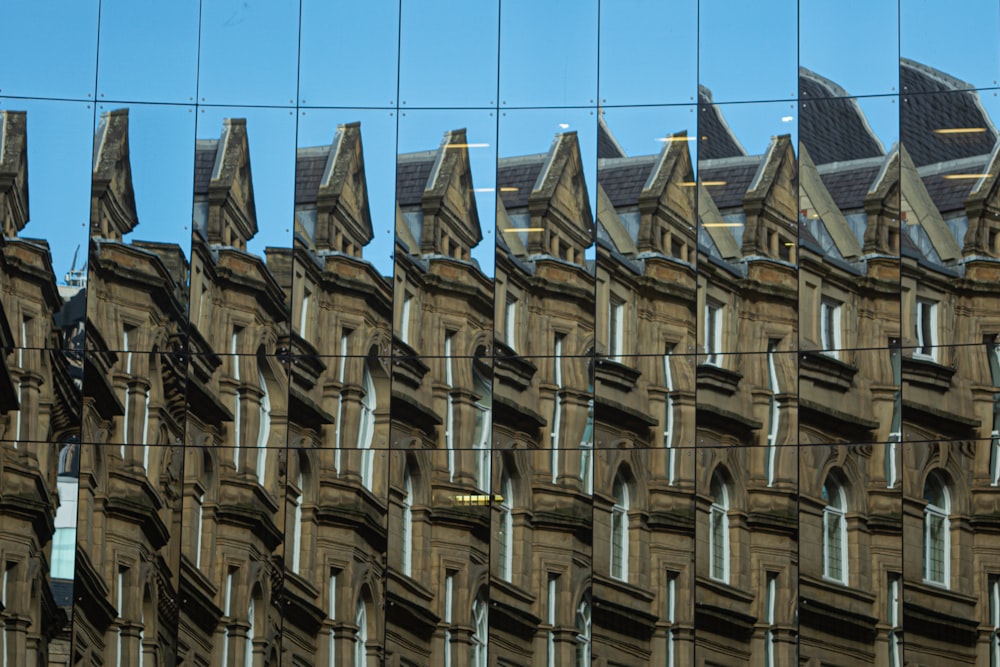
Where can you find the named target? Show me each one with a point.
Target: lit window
(712, 323)
(619, 530)
(925, 329)
(937, 543)
(718, 533)
(834, 532)
(829, 327)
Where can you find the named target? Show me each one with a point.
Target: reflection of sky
(60, 143)
(161, 140)
(348, 54)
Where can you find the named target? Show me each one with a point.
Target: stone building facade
(712, 408)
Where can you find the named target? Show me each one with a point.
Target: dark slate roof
(950, 194)
(716, 140)
(607, 145)
(412, 172)
(934, 100)
(736, 173)
(624, 178)
(204, 163)
(849, 185)
(520, 173)
(309, 166)
(833, 129)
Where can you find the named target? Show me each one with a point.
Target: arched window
(407, 524)
(264, 432)
(361, 640)
(718, 533)
(937, 545)
(834, 532)
(583, 633)
(295, 538)
(248, 648)
(479, 634)
(482, 434)
(366, 428)
(505, 536)
(619, 530)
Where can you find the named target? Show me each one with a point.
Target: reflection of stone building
(745, 414)
(39, 419)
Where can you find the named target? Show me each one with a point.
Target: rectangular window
(668, 417)
(550, 619)
(670, 615)
(331, 595)
(774, 413)
(893, 619)
(896, 427)
(925, 329)
(712, 331)
(556, 424)
(404, 318)
(304, 313)
(449, 592)
(449, 433)
(994, 595)
(770, 595)
(829, 327)
(510, 322)
(616, 328)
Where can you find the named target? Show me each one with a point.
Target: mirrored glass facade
(546, 334)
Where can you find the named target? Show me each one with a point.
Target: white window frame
(719, 522)
(712, 332)
(583, 633)
(940, 515)
(835, 526)
(770, 602)
(480, 634)
(510, 321)
(925, 325)
(774, 413)
(407, 528)
(366, 429)
(620, 529)
(264, 428)
(616, 327)
(668, 419)
(295, 539)
(893, 617)
(506, 535)
(361, 637)
(449, 430)
(830, 326)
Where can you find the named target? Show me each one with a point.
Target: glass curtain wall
(577, 332)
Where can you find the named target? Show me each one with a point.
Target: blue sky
(376, 63)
